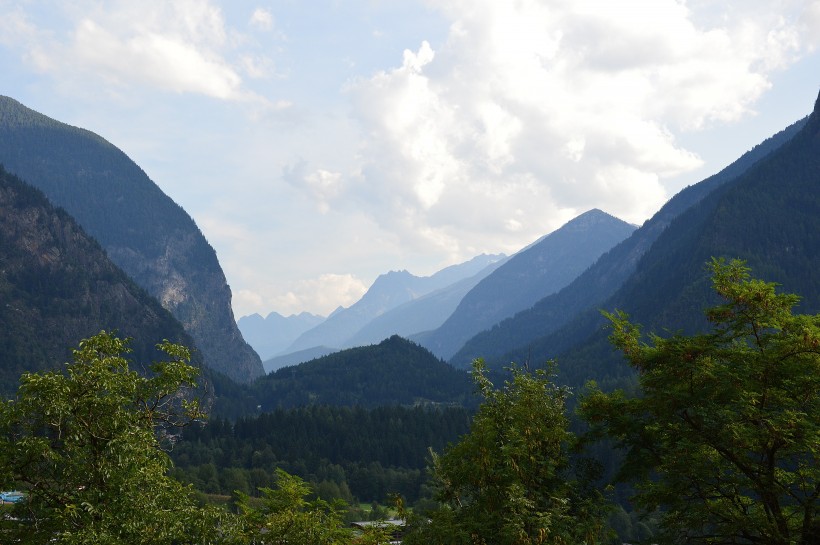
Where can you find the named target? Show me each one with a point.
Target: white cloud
(810, 23)
(535, 111)
(325, 186)
(262, 19)
(181, 46)
(322, 295)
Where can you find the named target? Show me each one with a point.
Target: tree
(724, 439)
(508, 481)
(82, 443)
(286, 516)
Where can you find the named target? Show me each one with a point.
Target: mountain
(587, 293)
(425, 313)
(272, 334)
(538, 270)
(769, 216)
(143, 231)
(393, 372)
(388, 291)
(57, 286)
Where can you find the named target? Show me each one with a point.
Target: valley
(397, 392)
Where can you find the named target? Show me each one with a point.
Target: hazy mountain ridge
(57, 286)
(271, 335)
(143, 231)
(594, 286)
(421, 314)
(387, 292)
(538, 270)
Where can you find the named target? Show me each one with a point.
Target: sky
(319, 144)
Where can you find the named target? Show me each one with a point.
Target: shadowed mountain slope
(57, 287)
(143, 231)
(591, 289)
(768, 216)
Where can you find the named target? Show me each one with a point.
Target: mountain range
(442, 311)
(272, 334)
(764, 208)
(389, 291)
(589, 291)
(538, 270)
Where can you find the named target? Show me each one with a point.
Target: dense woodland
(352, 453)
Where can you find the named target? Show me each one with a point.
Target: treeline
(352, 453)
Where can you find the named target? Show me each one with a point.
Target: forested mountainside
(527, 277)
(588, 292)
(143, 231)
(57, 286)
(393, 372)
(768, 216)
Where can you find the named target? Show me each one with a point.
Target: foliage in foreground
(510, 480)
(286, 516)
(82, 444)
(725, 438)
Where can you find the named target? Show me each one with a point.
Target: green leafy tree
(509, 480)
(82, 443)
(286, 516)
(724, 438)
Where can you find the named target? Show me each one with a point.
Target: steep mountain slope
(57, 287)
(143, 231)
(591, 289)
(272, 334)
(387, 292)
(768, 216)
(527, 277)
(394, 372)
(425, 313)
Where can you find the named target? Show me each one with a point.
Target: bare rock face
(143, 231)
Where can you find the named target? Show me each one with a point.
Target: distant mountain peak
(589, 219)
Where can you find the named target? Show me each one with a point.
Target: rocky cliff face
(143, 231)
(57, 287)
